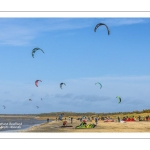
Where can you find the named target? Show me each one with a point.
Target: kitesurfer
(118, 119)
(96, 120)
(71, 120)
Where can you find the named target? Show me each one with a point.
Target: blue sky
(78, 56)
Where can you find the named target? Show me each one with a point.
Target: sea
(17, 124)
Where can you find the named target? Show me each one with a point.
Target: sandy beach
(55, 126)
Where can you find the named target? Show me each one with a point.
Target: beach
(55, 126)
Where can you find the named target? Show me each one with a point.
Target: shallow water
(16, 124)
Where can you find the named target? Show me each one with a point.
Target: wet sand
(55, 126)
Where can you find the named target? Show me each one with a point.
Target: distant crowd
(104, 118)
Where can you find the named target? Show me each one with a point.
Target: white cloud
(22, 31)
(123, 21)
(117, 79)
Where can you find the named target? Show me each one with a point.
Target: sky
(79, 57)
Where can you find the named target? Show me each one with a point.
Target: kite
(60, 116)
(62, 84)
(99, 84)
(35, 49)
(119, 98)
(36, 82)
(99, 24)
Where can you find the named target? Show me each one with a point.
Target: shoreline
(20, 127)
(20, 130)
(26, 129)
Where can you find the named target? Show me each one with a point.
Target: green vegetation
(90, 114)
(96, 114)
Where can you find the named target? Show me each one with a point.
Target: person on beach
(47, 119)
(118, 119)
(139, 118)
(96, 120)
(146, 118)
(56, 119)
(64, 123)
(80, 119)
(71, 120)
(84, 122)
